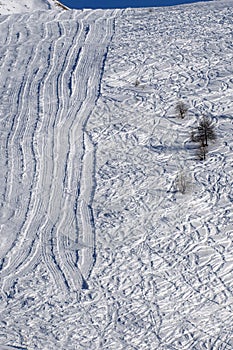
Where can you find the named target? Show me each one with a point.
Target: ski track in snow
(47, 188)
(98, 248)
(166, 258)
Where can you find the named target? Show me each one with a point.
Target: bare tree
(181, 109)
(204, 132)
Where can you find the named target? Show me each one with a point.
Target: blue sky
(79, 4)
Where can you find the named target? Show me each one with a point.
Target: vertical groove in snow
(48, 179)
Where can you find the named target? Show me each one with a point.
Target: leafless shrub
(181, 109)
(181, 182)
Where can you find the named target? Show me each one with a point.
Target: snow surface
(17, 6)
(99, 249)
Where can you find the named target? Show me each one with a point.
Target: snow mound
(17, 6)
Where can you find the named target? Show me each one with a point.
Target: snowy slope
(99, 249)
(17, 6)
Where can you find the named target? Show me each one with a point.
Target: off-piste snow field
(115, 235)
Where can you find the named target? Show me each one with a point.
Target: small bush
(181, 109)
(181, 182)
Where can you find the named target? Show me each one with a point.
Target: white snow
(99, 249)
(18, 6)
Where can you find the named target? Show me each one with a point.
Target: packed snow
(114, 235)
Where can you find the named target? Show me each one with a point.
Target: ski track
(165, 257)
(99, 250)
(44, 210)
